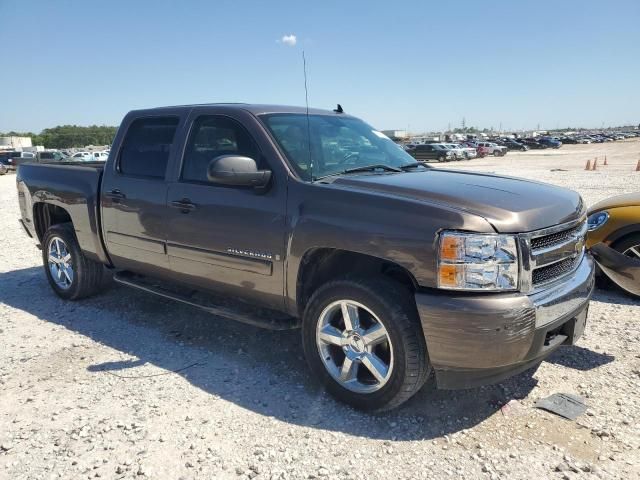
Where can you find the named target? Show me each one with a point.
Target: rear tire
(376, 304)
(72, 276)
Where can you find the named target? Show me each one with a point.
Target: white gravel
(246, 407)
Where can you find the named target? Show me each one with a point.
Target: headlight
(596, 220)
(469, 261)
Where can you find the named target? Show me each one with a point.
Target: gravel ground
(126, 385)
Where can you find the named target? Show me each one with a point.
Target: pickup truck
(284, 217)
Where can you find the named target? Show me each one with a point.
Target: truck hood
(511, 205)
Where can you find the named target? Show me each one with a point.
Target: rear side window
(146, 146)
(211, 137)
(46, 155)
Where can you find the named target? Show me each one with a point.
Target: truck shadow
(262, 371)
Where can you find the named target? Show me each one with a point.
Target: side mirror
(237, 171)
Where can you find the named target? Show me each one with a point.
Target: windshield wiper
(367, 168)
(413, 165)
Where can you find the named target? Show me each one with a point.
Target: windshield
(336, 144)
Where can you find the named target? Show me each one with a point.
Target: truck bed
(64, 188)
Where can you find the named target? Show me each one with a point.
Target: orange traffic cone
(588, 165)
(605, 160)
(595, 164)
(638, 166)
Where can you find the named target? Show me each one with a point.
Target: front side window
(146, 146)
(213, 136)
(322, 145)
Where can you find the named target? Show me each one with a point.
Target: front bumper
(478, 339)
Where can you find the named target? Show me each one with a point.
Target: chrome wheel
(354, 346)
(633, 252)
(60, 264)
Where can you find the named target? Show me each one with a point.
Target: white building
(17, 143)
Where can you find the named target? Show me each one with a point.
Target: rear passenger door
(134, 196)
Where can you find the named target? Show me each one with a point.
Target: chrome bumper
(568, 296)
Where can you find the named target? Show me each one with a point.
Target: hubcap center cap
(356, 343)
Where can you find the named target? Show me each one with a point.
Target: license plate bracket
(579, 324)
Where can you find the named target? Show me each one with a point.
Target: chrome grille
(554, 253)
(553, 271)
(554, 238)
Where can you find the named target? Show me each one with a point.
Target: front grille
(554, 238)
(550, 272)
(556, 254)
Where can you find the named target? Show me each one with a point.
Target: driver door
(226, 239)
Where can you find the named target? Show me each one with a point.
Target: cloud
(289, 40)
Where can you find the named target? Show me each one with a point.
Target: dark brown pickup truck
(284, 218)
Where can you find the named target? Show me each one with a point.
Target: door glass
(145, 149)
(211, 137)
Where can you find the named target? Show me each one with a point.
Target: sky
(417, 65)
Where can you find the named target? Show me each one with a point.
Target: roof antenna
(306, 101)
(338, 109)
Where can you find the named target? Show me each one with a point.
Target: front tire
(71, 275)
(363, 340)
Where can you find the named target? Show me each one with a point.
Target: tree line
(69, 136)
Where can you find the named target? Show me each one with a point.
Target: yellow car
(614, 239)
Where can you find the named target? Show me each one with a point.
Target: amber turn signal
(450, 248)
(449, 274)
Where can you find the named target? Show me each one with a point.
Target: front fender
(399, 230)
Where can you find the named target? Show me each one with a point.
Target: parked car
(51, 156)
(550, 142)
(82, 156)
(432, 151)
(100, 156)
(20, 157)
(533, 144)
(458, 152)
(513, 144)
(469, 152)
(569, 140)
(493, 149)
(614, 238)
(378, 258)
(42, 157)
(6, 158)
(482, 151)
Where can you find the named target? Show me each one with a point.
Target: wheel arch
(47, 214)
(622, 233)
(320, 265)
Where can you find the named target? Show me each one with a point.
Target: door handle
(115, 194)
(185, 205)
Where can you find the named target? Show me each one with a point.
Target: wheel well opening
(46, 215)
(324, 264)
